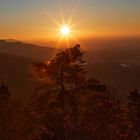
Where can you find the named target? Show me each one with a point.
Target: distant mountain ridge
(15, 47)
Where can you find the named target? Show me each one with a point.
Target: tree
(65, 71)
(106, 118)
(63, 75)
(7, 114)
(134, 110)
(73, 106)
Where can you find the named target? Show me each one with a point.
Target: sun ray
(78, 23)
(62, 17)
(65, 29)
(59, 42)
(53, 20)
(71, 17)
(67, 42)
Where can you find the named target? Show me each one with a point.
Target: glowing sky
(33, 19)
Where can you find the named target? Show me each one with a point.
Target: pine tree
(70, 105)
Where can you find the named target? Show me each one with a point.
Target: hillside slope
(26, 50)
(15, 73)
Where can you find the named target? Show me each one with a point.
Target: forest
(68, 104)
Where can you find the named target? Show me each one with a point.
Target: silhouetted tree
(134, 110)
(7, 113)
(69, 105)
(65, 71)
(106, 118)
(94, 85)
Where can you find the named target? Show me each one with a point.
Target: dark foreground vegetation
(69, 105)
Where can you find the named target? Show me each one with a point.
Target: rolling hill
(26, 50)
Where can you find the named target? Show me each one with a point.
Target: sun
(65, 30)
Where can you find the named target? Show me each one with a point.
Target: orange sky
(34, 20)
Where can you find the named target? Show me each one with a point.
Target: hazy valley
(117, 67)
